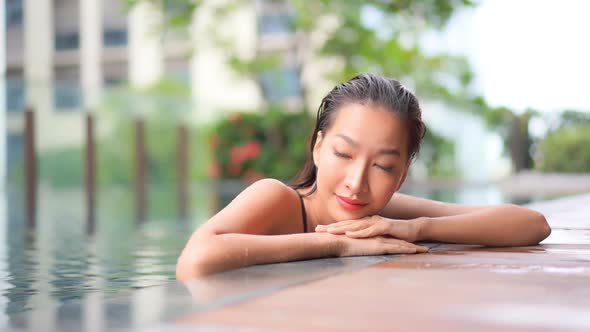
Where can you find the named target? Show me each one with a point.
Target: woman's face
(361, 161)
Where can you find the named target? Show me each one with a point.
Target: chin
(343, 214)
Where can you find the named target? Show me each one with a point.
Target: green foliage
(382, 37)
(565, 147)
(570, 118)
(63, 167)
(176, 13)
(385, 41)
(162, 107)
(438, 154)
(250, 146)
(115, 157)
(370, 36)
(566, 150)
(253, 145)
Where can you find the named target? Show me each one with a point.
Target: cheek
(383, 187)
(331, 170)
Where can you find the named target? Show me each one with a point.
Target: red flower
(236, 155)
(251, 150)
(240, 154)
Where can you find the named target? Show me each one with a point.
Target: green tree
(370, 36)
(565, 147)
(162, 107)
(566, 150)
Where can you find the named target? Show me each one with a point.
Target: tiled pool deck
(452, 288)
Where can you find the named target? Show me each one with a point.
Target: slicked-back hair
(373, 89)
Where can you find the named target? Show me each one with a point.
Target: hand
(378, 245)
(408, 230)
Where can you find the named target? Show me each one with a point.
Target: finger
(419, 249)
(363, 233)
(343, 229)
(342, 223)
(321, 228)
(395, 249)
(422, 249)
(337, 230)
(336, 224)
(347, 228)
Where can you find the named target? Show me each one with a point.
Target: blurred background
(128, 123)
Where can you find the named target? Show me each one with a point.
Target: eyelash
(342, 155)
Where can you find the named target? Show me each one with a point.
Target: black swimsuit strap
(303, 212)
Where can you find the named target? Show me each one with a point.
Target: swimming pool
(58, 261)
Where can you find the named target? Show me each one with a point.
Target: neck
(315, 209)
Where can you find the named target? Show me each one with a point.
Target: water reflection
(58, 261)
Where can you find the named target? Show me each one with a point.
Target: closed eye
(385, 168)
(341, 155)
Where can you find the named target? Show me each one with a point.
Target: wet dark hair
(365, 88)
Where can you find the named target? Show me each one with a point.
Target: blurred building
(62, 56)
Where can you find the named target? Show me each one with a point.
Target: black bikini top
(303, 212)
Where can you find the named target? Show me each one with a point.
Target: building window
(14, 13)
(67, 41)
(110, 82)
(15, 95)
(66, 96)
(280, 83)
(115, 37)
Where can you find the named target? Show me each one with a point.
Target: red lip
(350, 204)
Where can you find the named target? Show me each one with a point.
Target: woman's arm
(402, 206)
(502, 225)
(260, 226)
(206, 255)
(247, 232)
(229, 251)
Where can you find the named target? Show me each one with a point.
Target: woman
(344, 202)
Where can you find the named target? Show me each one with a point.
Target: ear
(317, 147)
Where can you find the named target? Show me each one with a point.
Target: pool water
(58, 260)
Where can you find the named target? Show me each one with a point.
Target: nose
(356, 177)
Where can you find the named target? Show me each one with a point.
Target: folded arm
(208, 254)
(500, 225)
(262, 226)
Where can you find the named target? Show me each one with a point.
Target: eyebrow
(357, 145)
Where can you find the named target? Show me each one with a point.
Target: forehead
(371, 126)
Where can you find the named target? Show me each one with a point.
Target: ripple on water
(67, 264)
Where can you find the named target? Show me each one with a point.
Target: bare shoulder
(270, 186)
(269, 191)
(258, 209)
(402, 206)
